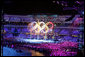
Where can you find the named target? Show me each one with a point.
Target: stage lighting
(83, 12)
(57, 2)
(53, 1)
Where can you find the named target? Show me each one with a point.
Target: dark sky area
(36, 6)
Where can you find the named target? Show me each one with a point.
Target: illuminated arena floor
(35, 41)
(48, 47)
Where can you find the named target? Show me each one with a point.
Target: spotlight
(83, 12)
(62, 4)
(53, 1)
(78, 2)
(57, 2)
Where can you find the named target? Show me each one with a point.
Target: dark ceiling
(35, 7)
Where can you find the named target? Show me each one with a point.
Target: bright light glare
(35, 41)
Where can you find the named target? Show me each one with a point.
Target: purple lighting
(58, 49)
(61, 39)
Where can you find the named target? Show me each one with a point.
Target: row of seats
(59, 31)
(21, 33)
(65, 38)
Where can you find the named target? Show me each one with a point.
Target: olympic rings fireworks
(40, 27)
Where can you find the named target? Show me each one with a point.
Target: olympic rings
(40, 27)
